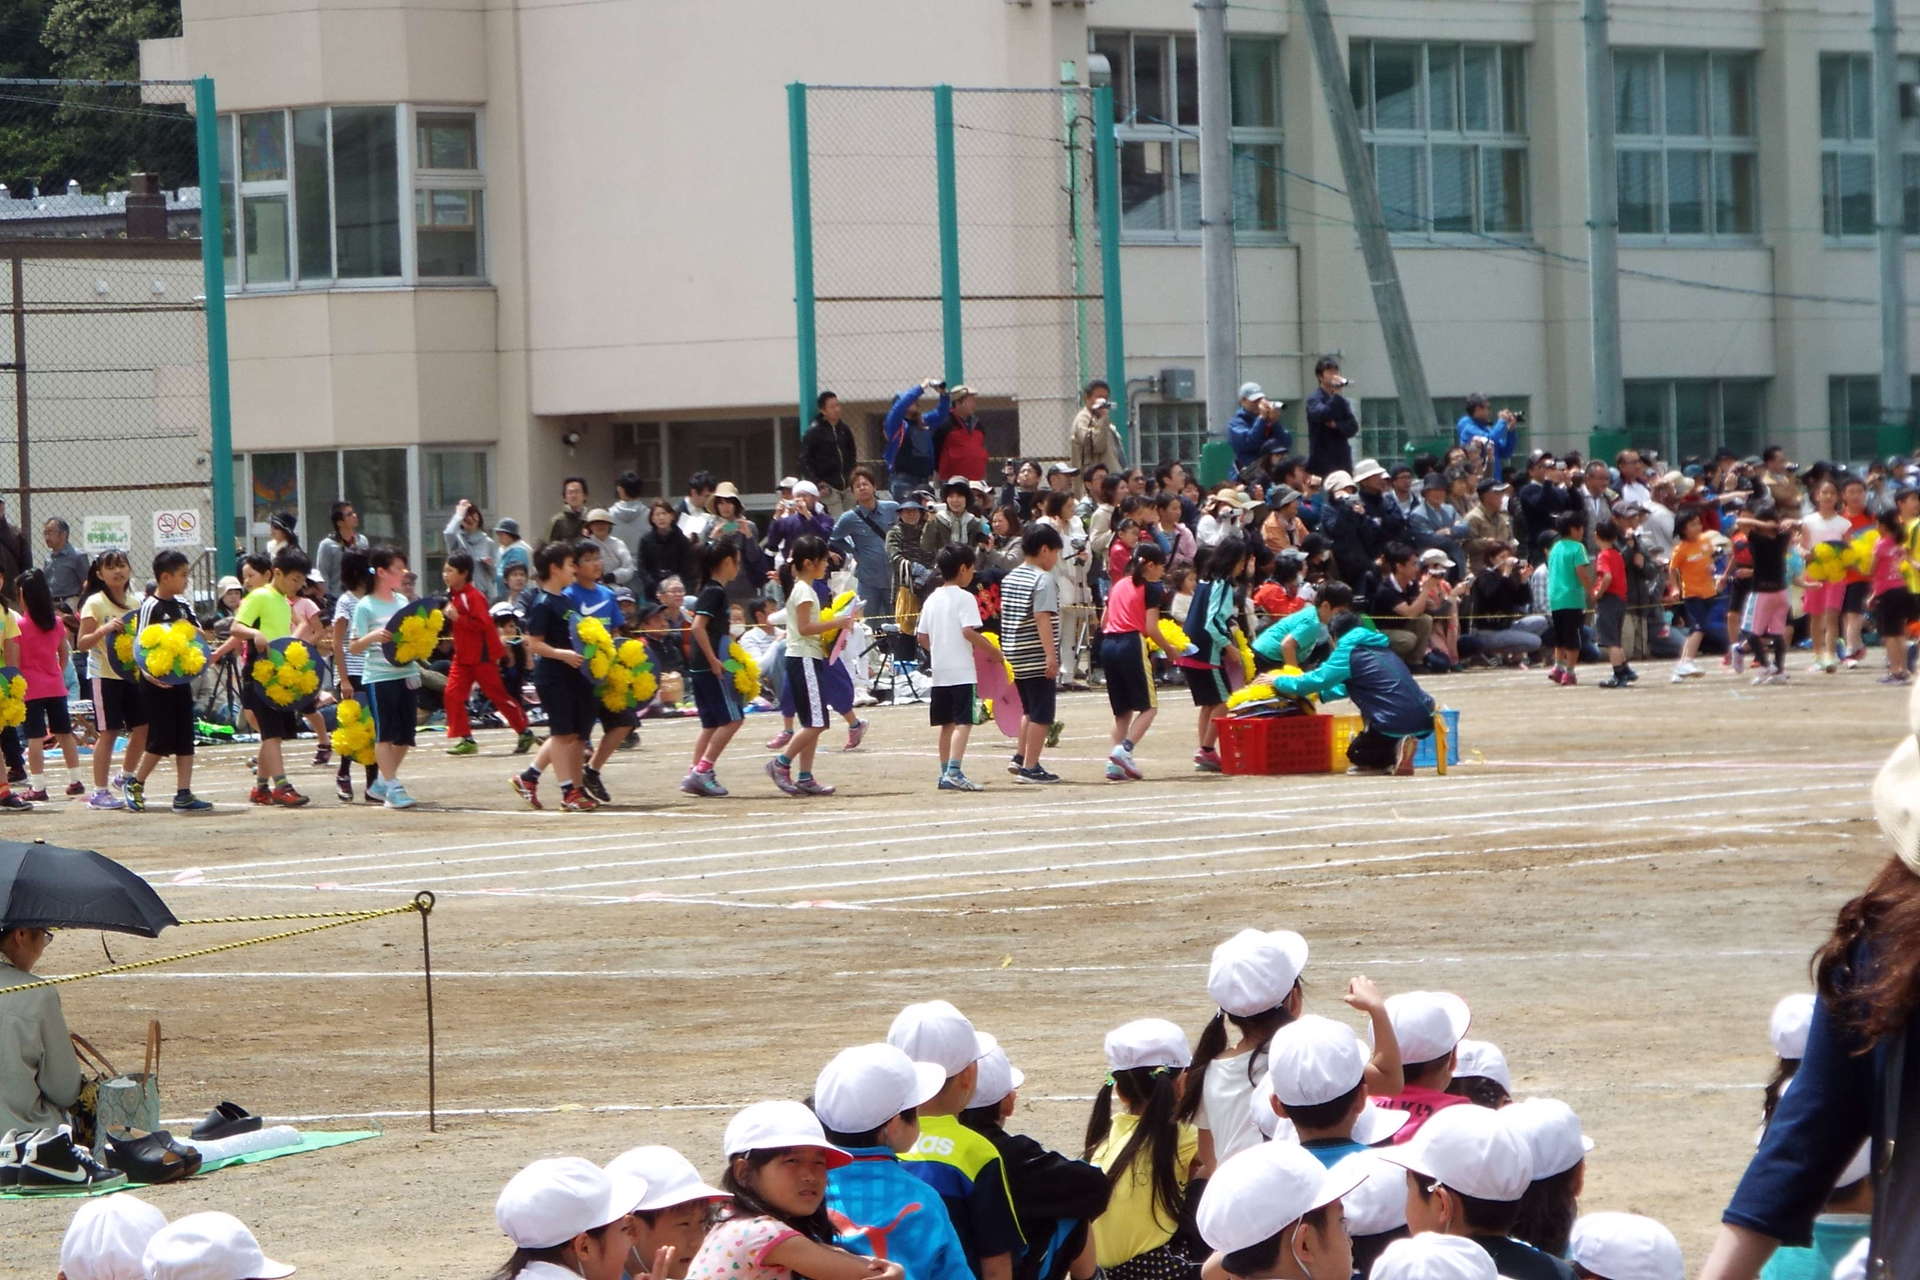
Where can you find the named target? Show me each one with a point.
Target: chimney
(146, 208)
(73, 186)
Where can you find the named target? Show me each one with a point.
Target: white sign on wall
(106, 533)
(176, 528)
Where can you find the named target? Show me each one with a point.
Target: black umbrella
(45, 886)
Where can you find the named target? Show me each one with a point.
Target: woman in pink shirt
(43, 659)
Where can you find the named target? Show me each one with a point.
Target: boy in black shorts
(264, 616)
(563, 687)
(950, 631)
(713, 690)
(1030, 638)
(169, 706)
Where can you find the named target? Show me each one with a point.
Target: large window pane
(1146, 174)
(1853, 177)
(274, 486)
(1647, 411)
(1256, 187)
(1256, 102)
(264, 223)
(1477, 90)
(263, 146)
(1693, 419)
(322, 491)
(446, 476)
(1503, 189)
(1685, 72)
(1910, 192)
(1833, 96)
(1513, 91)
(1687, 193)
(1150, 79)
(1443, 87)
(366, 193)
(1860, 97)
(1640, 192)
(312, 207)
(1396, 86)
(1633, 91)
(1732, 79)
(375, 481)
(1186, 82)
(1734, 200)
(1402, 176)
(1453, 188)
(1742, 416)
(447, 232)
(445, 140)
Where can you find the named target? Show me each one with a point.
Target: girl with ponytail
(1148, 1155)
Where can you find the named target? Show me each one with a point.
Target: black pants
(14, 747)
(1372, 749)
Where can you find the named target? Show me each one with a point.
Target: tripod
(893, 672)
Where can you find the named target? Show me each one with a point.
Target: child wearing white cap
(1481, 1075)
(1274, 1211)
(216, 1246)
(1559, 1150)
(1428, 1027)
(1624, 1246)
(1376, 1207)
(1317, 1073)
(567, 1217)
(107, 1239)
(1467, 1171)
(672, 1218)
(1787, 1031)
(955, 1161)
(1433, 1257)
(1148, 1155)
(1055, 1197)
(866, 1100)
(778, 1159)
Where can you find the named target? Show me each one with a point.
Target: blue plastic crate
(1423, 756)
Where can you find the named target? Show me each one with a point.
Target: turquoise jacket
(1364, 667)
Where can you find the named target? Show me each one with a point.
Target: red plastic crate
(1275, 744)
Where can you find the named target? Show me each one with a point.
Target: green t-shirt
(1564, 588)
(266, 611)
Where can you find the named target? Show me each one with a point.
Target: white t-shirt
(1225, 1098)
(944, 619)
(1833, 528)
(803, 646)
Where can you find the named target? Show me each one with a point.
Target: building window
(1687, 419)
(1169, 431)
(1156, 106)
(331, 196)
(1846, 146)
(1688, 155)
(1446, 125)
(1384, 435)
(1854, 415)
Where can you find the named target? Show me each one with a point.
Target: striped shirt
(1024, 593)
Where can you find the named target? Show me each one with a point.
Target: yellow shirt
(1133, 1223)
(102, 610)
(1911, 568)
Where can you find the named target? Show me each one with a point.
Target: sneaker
(105, 799)
(12, 800)
(590, 779)
(288, 798)
(1124, 758)
(1206, 761)
(1569, 679)
(855, 732)
(191, 803)
(779, 740)
(1631, 675)
(261, 794)
(702, 784)
(1614, 682)
(343, 787)
(954, 780)
(464, 747)
(36, 794)
(526, 743)
(53, 1162)
(1367, 771)
(1016, 766)
(396, 796)
(76, 788)
(377, 791)
(577, 800)
(782, 776)
(1054, 731)
(1036, 776)
(1891, 678)
(815, 787)
(1558, 675)
(1683, 670)
(1850, 662)
(12, 1148)
(136, 797)
(527, 789)
(322, 756)
(1115, 773)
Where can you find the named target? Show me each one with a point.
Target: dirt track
(1621, 884)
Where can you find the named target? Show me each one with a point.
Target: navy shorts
(1037, 698)
(1700, 611)
(569, 704)
(1123, 661)
(1854, 599)
(393, 706)
(48, 715)
(1208, 685)
(274, 721)
(804, 683)
(715, 698)
(1566, 628)
(950, 704)
(118, 705)
(1894, 610)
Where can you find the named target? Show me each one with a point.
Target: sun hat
(599, 515)
(1625, 1246)
(670, 1177)
(1254, 971)
(787, 482)
(1378, 1202)
(1432, 1256)
(1261, 1191)
(1787, 1028)
(1427, 1024)
(869, 1084)
(1482, 1058)
(507, 524)
(997, 1078)
(725, 489)
(1367, 470)
(107, 1239)
(551, 1201)
(1251, 391)
(769, 1126)
(1896, 791)
(211, 1246)
(1435, 556)
(1471, 1150)
(1232, 497)
(1338, 480)
(807, 487)
(1147, 1042)
(1552, 1134)
(934, 1031)
(1313, 1060)
(228, 583)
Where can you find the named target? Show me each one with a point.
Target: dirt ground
(1620, 883)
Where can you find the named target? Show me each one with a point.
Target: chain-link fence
(105, 418)
(1006, 295)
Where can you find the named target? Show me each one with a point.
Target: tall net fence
(104, 401)
(1024, 235)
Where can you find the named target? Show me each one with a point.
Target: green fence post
(1106, 163)
(948, 197)
(213, 280)
(800, 178)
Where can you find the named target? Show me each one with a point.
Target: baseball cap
(1251, 391)
(934, 1031)
(108, 1238)
(1625, 508)
(1428, 1024)
(1313, 1060)
(869, 1084)
(1552, 1134)
(1378, 1202)
(599, 515)
(669, 1176)
(1432, 480)
(1482, 1058)
(212, 1246)
(551, 1201)
(1491, 485)
(1471, 1150)
(1788, 1026)
(1625, 1246)
(769, 1126)
(997, 1077)
(1432, 1256)
(807, 487)
(1147, 1042)
(1062, 469)
(1252, 971)
(1261, 1191)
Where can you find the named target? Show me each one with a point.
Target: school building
(483, 247)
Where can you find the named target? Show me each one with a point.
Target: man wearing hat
(909, 444)
(959, 441)
(1434, 522)
(1353, 533)
(1254, 430)
(1370, 478)
(1331, 425)
(1094, 440)
(615, 554)
(806, 516)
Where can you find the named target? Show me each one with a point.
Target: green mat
(308, 1142)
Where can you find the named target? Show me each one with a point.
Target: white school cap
(670, 1177)
(1552, 1133)
(211, 1246)
(869, 1084)
(1375, 1123)
(1428, 1024)
(1483, 1058)
(1470, 1149)
(1854, 1265)
(770, 1126)
(934, 1031)
(1378, 1202)
(1625, 1246)
(1260, 1192)
(107, 1239)
(551, 1201)
(1313, 1060)
(1253, 972)
(1432, 1256)
(1896, 790)
(1787, 1028)
(997, 1077)
(1147, 1042)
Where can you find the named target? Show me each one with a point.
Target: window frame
(1669, 443)
(1710, 143)
(1842, 428)
(1145, 429)
(1833, 150)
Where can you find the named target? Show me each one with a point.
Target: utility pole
(1603, 225)
(1409, 376)
(1889, 200)
(1222, 338)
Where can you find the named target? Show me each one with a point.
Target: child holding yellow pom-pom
(170, 706)
(714, 693)
(264, 616)
(594, 601)
(117, 703)
(43, 659)
(559, 676)
(1214, 632)
(386, 688)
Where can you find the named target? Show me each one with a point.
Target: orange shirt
(1693, 562)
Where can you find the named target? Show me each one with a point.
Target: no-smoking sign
(176, 528)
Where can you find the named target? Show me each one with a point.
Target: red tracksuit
(477, 650)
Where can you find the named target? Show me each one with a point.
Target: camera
(1101, 405)
(1519, 415)
(1342, 383)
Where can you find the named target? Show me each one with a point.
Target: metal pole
(800, 179)
(1070, 119)
(948, 191)
(24, 518)
(1106, 173)
(213, 281)
(425, 900)
(1603, 225)
(1220, 324)
(1396, 326)
(1889, 201)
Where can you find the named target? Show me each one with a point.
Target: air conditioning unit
(1176, 384)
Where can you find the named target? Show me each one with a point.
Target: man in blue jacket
(909, 441)
(1480, 431)
(1396, 711)
(1254, 431)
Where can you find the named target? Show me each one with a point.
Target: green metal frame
(1106, 166)
(800, 178)
(213, 276)
(954, 359)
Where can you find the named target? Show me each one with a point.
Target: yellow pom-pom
(150, 635)
(1247, 665)
(18, 687)
(632, 653)
(644, 686)
(297, 654)
(193, 661)
(280, 695)
(436, 619)
(123, 647)
(1174, 637)
(348, 711)
(159, 662)
(263, 670)
(599, 666)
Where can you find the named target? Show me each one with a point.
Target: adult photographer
(1254, 430)
(1352, 534)
(1542, 500)
(1487, 435)
(1500, 622)
(1093, 440)
(1331, 425)
(909, 452)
